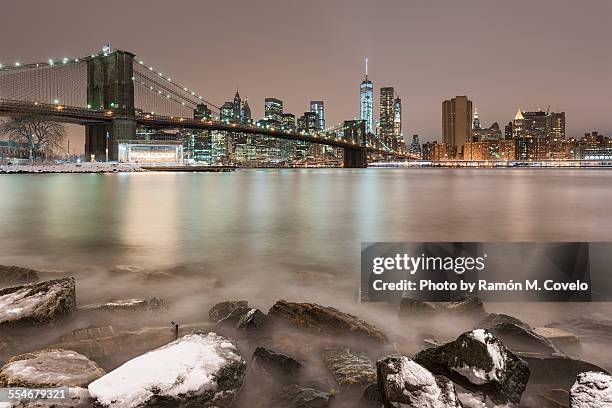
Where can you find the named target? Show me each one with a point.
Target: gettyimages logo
(412, 264)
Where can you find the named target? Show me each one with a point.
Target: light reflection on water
(274, 218)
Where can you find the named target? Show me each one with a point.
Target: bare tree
(35, 132)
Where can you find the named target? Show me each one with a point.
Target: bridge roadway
(83, 116)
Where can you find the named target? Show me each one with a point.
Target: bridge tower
(355, 158)
(355, 131)
(110, 87)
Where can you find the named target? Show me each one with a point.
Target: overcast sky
(502, 54)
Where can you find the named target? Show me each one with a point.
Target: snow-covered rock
(479, 361)
(195, 370)
(117, 305)
(252, 320)
(404, 383)
(49, 368)
(223, 309)
(40, 302)
(591, 390)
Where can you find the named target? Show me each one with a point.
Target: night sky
(502, 54)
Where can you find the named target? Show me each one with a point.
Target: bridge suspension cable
(160, 86)
(62, 81)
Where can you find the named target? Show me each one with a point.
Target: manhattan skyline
(503, 56)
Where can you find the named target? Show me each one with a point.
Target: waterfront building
(387, 116)
(273, 109)
(435, 151)
(415, 146)
(506, 149)
(491, 133)
(245, 113)
(476, 121)
(202, 112)
(539, 124)
(227, 112)
(457, 121)
(397, 124)
(555, 125)
(308, 123)
(366, 102)
(237, 109)
(508, 131)
(318, 108)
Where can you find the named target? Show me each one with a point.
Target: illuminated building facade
(387, 115)
(366, 102)
(318, 107)
(273, 109)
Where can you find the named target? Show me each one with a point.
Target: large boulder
(274, 365)
(591, 390)
(478, 361)
(223, 309)
(15, 275)
(470, 306)
(49, 368)
(348, 367)
(104, 344)
(405, 383)
(254, 319)
(195, 370)
(295, 396)
(325, 320)
(555, 371)
(563, 340)
(519, 339)
(37, 303)
(493, 319)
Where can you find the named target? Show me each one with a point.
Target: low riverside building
(151, 151)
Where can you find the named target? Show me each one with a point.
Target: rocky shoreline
(294, 355)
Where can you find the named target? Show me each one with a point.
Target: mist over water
(263, 235)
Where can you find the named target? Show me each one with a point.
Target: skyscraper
(237, 113)
(476, 121)
(397, 118)
(245, 113)
(387, 115)
(366, 100)
(555, 125)
(319, 108)
(273, 109)
(457, 121)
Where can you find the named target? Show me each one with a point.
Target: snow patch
(495, 351)
(424, 390)
(592, 390)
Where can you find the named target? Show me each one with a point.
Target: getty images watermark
(444, 271)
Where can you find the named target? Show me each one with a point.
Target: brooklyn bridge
(113, 94)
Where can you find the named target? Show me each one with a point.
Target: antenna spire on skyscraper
(366, 68)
